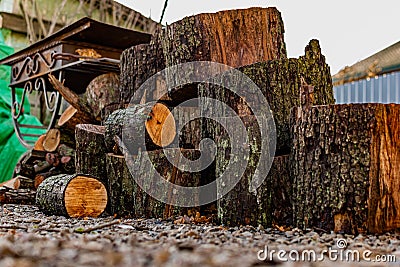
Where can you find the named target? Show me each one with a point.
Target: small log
(90, 150)
(70, 118)
(51, 140)
(231, 37)
(346, 162)
(152, 122)
(101, 92)
(39, 143)
(72, 196)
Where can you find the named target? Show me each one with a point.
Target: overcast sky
(348, 30)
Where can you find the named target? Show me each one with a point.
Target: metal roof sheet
(385, 61)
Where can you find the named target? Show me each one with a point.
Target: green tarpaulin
(10, 147)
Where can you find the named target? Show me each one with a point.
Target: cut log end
(160, 125)
(85, 197)
(67, 115)
(52, 140)
(39, 143)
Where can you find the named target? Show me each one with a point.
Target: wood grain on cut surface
(85, 197)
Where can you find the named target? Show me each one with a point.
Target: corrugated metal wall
(381, 89)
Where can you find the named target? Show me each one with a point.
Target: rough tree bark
(128, 199)
(103, 91)
(158, 129)
(346, 162)
(279, 81)
(91, 150)
(243, 204)
(230, 37)
(72, 196)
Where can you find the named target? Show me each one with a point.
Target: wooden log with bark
(129, 199)
(70, 118)
(91, 150)
(231, 37)
(150, 123)
(346, 162)
(73, 195)
(239, 201)
(102, 92)
(280, 82)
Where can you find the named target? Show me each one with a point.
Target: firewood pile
(336, 167)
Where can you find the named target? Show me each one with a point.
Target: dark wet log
(127, 198)
(72, 196)
(151, 123)
(280, 82)
(231, 37)
(101, 92)
(346, 162)
(90, 150)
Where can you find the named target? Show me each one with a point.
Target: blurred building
(375, 79)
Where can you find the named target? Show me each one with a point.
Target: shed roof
(385, 61)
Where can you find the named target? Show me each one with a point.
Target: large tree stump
(280, 82)
(152, 123)
(230, 37)
(91, 150)
(244, 204)
(72, 196)
(128, 199)
(346, 162)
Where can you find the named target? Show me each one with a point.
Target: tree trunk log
(91, 151)
(243, 204)
(346, 162)
(72, 196)
(152, 122)
(230, 37)
(280, 82)
(128, 199)
(189, 136)
(70, 118)
(101, 92)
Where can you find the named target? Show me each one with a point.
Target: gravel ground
(30, 238)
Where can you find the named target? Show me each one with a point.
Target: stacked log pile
(335, 167)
